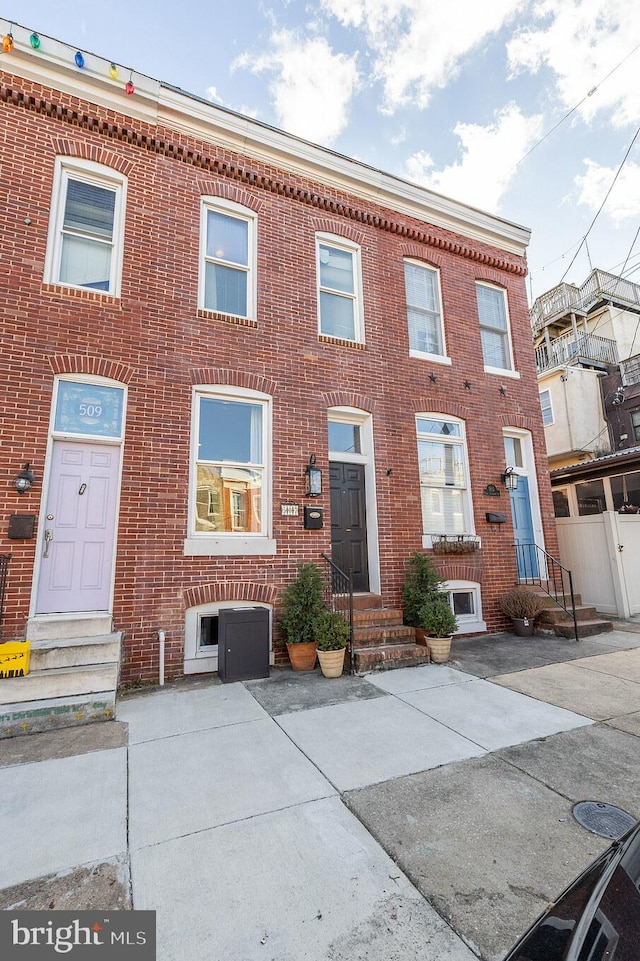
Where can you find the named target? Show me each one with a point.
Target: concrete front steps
(554, 620)
(380, 640)
(72, 681)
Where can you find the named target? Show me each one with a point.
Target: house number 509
(90, 410)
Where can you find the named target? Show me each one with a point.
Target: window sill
(341, 342)
(226, 318)
(84, 293)
(228, 546)
(503, 372)
(432, 358)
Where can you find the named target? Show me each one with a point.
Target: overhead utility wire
(600, 208)
(578, 105)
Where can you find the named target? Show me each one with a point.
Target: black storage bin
(243, 643)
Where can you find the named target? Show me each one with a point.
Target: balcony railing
(583, 349)
(566, 299)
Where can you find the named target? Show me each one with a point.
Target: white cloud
(418, 45)
(489, 160)
(623, 202)
(312, 87)
(582, 41)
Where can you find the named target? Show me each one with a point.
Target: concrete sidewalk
(300, 817)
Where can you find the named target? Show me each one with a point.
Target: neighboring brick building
(194, 305)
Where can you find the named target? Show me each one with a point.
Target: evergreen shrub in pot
(332, 637)
(421, 585)
(301, 606)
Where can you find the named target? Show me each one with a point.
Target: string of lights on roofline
(8, 45)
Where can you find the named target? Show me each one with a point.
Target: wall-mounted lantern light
(510, 479)
(312, 478)
(24, 481)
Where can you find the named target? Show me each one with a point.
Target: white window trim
(202, 543)
(198, 660)
(330, 240)
(502, 371)
(73, 168)
(468, 624)
(442, 358)
(427, 539)
(230, 209)
(353, 415)
(549, 406)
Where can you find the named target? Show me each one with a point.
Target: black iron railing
(537, 567)
(4, 564)
(338, 597)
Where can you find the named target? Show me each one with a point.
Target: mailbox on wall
(313, 518)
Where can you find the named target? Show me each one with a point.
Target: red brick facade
(154, 340)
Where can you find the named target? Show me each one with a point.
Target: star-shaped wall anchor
(503, 392)
(432, 378)
(467, 385)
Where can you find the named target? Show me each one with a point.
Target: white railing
(569, 349)
(566, 298)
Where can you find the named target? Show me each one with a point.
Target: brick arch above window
(427, 404)
(342, 230)
(94, 366)
(426, 255)
(346, 398)
(229, 191)
(490, 277)
(230, 591)
(225, 377)
(515, 421)
(87, 151)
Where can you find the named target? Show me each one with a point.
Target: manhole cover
(603, 819)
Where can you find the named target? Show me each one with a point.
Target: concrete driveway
(422, 813)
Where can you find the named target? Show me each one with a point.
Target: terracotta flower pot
(332, 662)
(440, 648)
(302, 655)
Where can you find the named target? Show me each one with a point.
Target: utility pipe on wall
(161, 638)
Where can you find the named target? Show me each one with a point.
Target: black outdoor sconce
(510, 479)
(312, 479)
(24, 480)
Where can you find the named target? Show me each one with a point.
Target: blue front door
(523, 530)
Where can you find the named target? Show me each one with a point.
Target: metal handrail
(4, 564)
(338, 597)
(558, 583)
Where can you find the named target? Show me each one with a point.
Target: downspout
(564, 378)
(161, 638)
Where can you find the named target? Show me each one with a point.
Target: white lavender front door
(77, 548)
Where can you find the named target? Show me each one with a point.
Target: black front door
(348, 522)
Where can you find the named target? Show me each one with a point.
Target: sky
(527, 109)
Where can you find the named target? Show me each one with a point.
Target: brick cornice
(176, 151)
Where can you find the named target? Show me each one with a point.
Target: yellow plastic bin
(15, 658)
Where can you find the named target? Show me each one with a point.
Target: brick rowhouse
(155, 340)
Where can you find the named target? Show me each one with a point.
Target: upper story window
(85, 243)
(444, 475)
(228, 257)
(547, 409)
(494, 328)
(339, 289)
(424, 312)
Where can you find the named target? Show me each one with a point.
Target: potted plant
(522, 607)
(332, 637)
(301, 606)
(421, 585)
(439, 622)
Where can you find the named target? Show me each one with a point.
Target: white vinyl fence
(602, 551)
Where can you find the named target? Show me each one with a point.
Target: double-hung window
(547, 409)
(444, 485)
(230, 486)
(424, 312)
(85, 244)
(228, 255)
(339, 289)
(494, 327)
